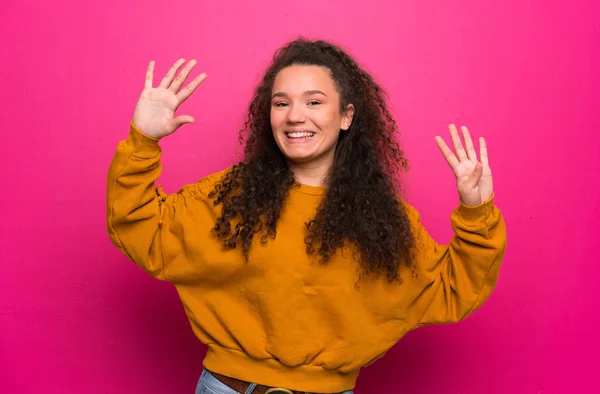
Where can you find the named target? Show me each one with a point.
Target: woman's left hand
(473, 178)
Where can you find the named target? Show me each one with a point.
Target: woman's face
(305, 115)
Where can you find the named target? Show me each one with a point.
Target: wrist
(140, 144)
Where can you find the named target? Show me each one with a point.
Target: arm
(142, 222)
(139, 215)
(459, 277)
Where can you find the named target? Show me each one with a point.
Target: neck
(311, 174)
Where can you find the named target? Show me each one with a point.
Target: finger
(176, 85)
(448, 155)
(166, 81)
(149, 75)
(473, 178)
(483, 152)
(181, 120)
(458, 147)
(471, 154)
(190, 88)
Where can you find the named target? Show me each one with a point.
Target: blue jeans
(208, 384)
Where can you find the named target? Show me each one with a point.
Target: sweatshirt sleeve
(459, 277)
(144, 223)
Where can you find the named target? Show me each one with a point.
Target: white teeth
(302, 134)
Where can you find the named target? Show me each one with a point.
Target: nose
(295, 114)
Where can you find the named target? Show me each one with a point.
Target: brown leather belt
(240, 386)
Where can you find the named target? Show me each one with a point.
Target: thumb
(474, 177)
(181, 120)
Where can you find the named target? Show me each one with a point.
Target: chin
(295, 158)
(296, 153)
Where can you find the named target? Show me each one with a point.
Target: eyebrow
(307, 93)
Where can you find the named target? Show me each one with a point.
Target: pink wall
(77, 317)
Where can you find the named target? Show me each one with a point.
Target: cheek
(330, 120)
(275, 118)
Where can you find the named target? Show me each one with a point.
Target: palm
(157, 107)
(474, 185)
(154, 113)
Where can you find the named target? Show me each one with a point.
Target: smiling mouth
(298, 135)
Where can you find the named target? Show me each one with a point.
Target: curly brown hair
(361, 204)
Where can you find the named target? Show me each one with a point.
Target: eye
(280, 104)
(314, 102)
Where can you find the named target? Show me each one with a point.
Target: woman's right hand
(155, 110)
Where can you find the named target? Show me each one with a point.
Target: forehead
(300, 78)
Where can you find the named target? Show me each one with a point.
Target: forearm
(464, 273)
(133, 206)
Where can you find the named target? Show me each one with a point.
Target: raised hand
(473, 178)
(154, 113)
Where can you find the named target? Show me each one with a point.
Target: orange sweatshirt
(281, 318)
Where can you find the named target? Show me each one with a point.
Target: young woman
(301, 264)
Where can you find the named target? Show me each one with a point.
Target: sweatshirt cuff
(476, 214)
(140, 144)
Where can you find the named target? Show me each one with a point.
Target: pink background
(77, 317)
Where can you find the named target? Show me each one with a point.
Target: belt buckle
(276, 390)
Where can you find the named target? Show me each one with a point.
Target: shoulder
(206, 184)
(216, 177)
(410, 211)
